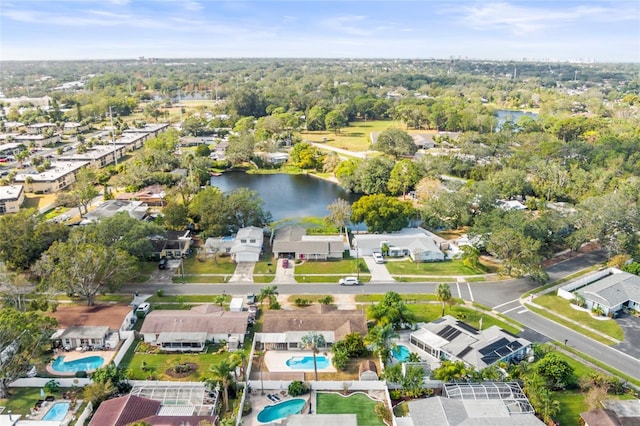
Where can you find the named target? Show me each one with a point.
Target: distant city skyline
(568, 30)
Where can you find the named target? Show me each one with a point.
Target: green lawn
(158, 364)
(453, 267)
(427, 312)
(346, 266)
(578, 329)
(224, 266)
(562, 306)
(572, 403)
(359, 404)
(424, 279)
(23, 399)
(55, 212)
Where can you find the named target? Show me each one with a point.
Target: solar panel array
(498, 350)
(449, 333)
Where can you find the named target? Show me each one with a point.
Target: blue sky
(607, 31)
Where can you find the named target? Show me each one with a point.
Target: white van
(143, 309)
(377, 257)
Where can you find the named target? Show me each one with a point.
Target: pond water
(287, 196)
(504, 115)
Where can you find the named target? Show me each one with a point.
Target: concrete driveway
(243, 273)
(379, 272)
(285, 275)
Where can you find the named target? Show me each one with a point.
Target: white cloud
(346, 25)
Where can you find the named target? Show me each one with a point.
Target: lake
(287, 196)
(504, 115)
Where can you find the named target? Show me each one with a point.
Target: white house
(413, 242)
(245, 246)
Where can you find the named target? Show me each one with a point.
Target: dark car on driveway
(285, 263)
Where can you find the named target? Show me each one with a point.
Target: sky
(598, 30)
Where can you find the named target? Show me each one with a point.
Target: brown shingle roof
(600, 418)
(205, 318)
(316, 318)
(124, 410)
(75, 315)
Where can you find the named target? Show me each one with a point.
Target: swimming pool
(83, 364)
(281, 410)
(57, 412)
(306, 362)
(401, 353)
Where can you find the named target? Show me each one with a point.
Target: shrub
(297, 388)
(300, 302)
(81, 374)
(326, 300)
(160, 293)
(383, 412)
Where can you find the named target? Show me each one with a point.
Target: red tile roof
(124, 410)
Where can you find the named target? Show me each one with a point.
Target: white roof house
(245, 246)
(413, 242)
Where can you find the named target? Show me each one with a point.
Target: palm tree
(313, 341)
(413, 357)
(268, 292)
(443, 294)
(378, 338)
(222, 373)
(239, 358)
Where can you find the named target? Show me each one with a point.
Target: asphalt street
(502, 296)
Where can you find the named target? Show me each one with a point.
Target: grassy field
(359, 404)
(224, 265)
(562, 307)
(158, 364)
(407, 267)
(33, 201)
(202, 298)
(355, 137)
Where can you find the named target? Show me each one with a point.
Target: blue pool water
(57, 411)
(306, 362)
(83, 364)
(401, 353)
(281, 410)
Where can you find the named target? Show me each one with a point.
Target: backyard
(357, 403)
(144, 364)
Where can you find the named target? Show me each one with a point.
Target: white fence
(82, 418)
(350, 385)
(39, 382)
(124, 348)
(566, 292)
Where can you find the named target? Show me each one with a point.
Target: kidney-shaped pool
(281, 410)
(89, 363)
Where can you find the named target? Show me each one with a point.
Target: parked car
(377, 257)
(285, 263)
(143, 309)
(163, 263)
(349, 281)
(251, 299)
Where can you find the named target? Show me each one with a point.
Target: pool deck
(277, 361)
(259, 402)
(73, 355)
(46, 406)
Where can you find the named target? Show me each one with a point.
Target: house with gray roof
(473, 404)
(244, 246)
(610, 290)
(293, 241)
(448, 338)
(416, 243)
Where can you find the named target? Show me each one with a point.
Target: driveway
(284, 275)
(631, 327)
(243, 273)
(379, 272)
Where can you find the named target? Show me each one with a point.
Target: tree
(334, 120)
(240, 148)
(443, 294)
(24, 236)
(203, 150)
(313, 341)
(244, 207)
(395, 142)
(175, 216)
(85, 268)
(339, 213)
(555, 370)
(519, 253)
(382, 213)
(222, 373)
(306, 156)
(450, 371)
(22, 336)
(372, 175)
(98, 392)
(113, 374)
(378, 340)
(391, 310)
(269, 292)
(404, 176)
(84, 189)
(316, 118)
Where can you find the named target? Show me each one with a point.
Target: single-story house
(245, 246)
(413, 242)
(189, 331)
(450, 339)
(610, 290)
(81, 336)
(283, 330)
(614, 413)
(152, 195)
(175, 244)
(98, 325)
(129, 409)
(292, 241)
(495, 404)
(135, 209)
